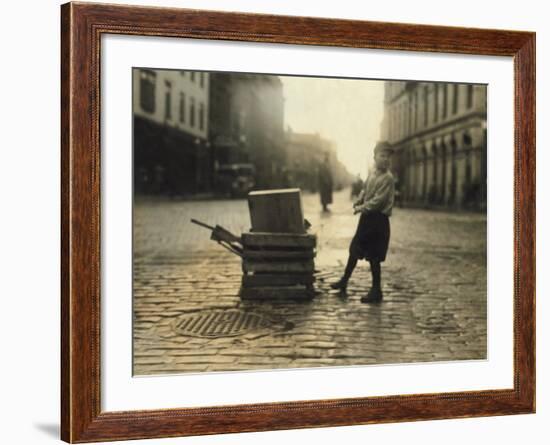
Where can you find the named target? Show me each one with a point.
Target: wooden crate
(278, 265)
(277, 211)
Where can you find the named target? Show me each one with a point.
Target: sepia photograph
(285, 222)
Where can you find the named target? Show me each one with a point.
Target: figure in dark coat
(325, 183)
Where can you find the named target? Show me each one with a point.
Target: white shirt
(378, 193)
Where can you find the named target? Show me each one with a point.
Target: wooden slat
(266, 279)
(301, 266)
(278, 254)
(265, 239)
(276, 293)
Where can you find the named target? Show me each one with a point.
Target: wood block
(262, 254)
(277, 293)
(277, 211)
(298, 266)
(251, 240)
(266, 279)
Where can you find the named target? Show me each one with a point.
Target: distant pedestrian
(372, 236)
(325, 183)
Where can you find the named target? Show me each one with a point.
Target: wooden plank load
(277, 255)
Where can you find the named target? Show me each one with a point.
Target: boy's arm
(359, 198)
(381, 198)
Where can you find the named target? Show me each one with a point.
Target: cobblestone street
(434, 284)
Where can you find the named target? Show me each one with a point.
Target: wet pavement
(434, 284)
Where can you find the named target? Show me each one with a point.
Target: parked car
(235, 180)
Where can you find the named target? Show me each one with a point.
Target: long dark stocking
(350, 266)
(375, 271)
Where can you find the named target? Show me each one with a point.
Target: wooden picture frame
(82, 25)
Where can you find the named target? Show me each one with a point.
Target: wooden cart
(277, 253)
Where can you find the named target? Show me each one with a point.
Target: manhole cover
(219, 323)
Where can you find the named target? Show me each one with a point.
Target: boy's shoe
(341, 284)
(374, 296)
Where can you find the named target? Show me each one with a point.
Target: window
(193, 76)
(399, 121)
(201, 116)
(470, 96)
(192, 112)
(410, 113)
(436, 102)
(168, 101)
(404, 119)
(202, 80)
(390, 124)
(445, 100)
(455, 98)
(182, 107)
(393, 123)
(426, 106)
(416, 98)
(147, 82)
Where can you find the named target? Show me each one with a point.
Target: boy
(372, 236)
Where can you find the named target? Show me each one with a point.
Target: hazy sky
(348, 112)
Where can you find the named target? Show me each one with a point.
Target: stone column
(424, 175)
(434, 188)
(443, 175)
(453, 179)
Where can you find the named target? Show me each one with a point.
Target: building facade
(439, 133)
(172, 154)
(246, 118)
(305, 152)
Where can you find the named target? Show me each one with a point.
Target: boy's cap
(383, 146)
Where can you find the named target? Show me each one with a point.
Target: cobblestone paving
(434, 284)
